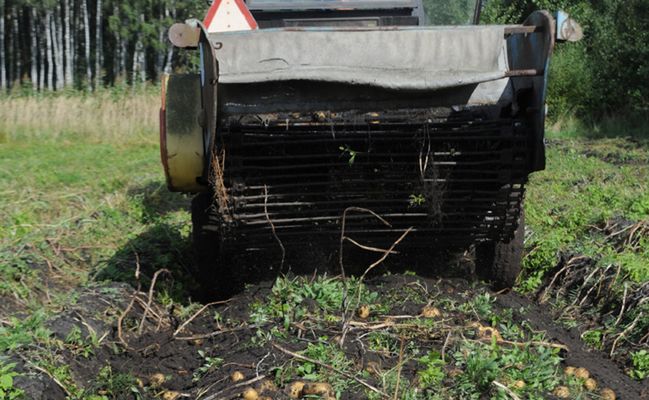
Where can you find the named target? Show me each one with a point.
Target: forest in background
(84, 44)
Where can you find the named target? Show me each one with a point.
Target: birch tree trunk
(98, 45)
(48, 47)
(86, 42)
(34, 49)
(67, 54)
(3, 59)
(17, 57)
(58, 49)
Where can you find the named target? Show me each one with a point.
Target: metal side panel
(181, 134)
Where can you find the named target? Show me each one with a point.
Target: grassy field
(83, 203)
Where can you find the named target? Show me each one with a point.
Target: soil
(157, 351)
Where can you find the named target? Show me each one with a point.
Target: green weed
(210, 364)
(432, 375)
(7, 389)
(640, 361)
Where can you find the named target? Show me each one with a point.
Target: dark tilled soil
(157, 351)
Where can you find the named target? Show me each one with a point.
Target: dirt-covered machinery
(328, 108)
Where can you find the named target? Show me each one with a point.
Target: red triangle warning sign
(229, 15)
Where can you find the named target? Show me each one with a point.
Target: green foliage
(640, 361)
(482, 364)
(351, 154)
(586, 185)
(328, 354)
(210, 364)
(79, 345)
(115, 385)
(23, 332)
(604, 74)
(432, 374)
(7, 389)
(289, 297)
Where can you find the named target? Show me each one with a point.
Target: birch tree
(98, 43)
(86, 41)
(3, 58)
(67, 39)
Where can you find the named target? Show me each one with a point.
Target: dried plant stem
(272, 227)
(150, 298)
(196, 314)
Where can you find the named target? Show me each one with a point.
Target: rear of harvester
(356, 120)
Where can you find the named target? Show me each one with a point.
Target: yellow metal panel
(181, 135)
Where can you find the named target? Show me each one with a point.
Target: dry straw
(103, 117)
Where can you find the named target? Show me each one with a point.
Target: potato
(570, 371)
(562, 392)
(520, 385)
(267, 386)
(487, 332)
(157, 379)
(250, 394)
(320, 389)
(582, 373)
(295, 389)
(607, 394)
(363, 312)
(170, 395)
(431, 312)
(590, 384)
(237, 376)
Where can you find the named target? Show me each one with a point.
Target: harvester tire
(500, 262)
(212, 273)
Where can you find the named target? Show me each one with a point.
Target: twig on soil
(619, 317)
(448, 337)
(150, 298)
(120, 320)
(569, 264)
(272, 228)
(524, 344)
(238, 385)
(329, 367)
(399, 366)
(196, 314)
(624, 332)
(46, 372)
(220, 332)
(506, 389)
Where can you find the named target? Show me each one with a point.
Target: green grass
(579, 193)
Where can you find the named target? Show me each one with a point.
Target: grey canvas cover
(408, 59)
